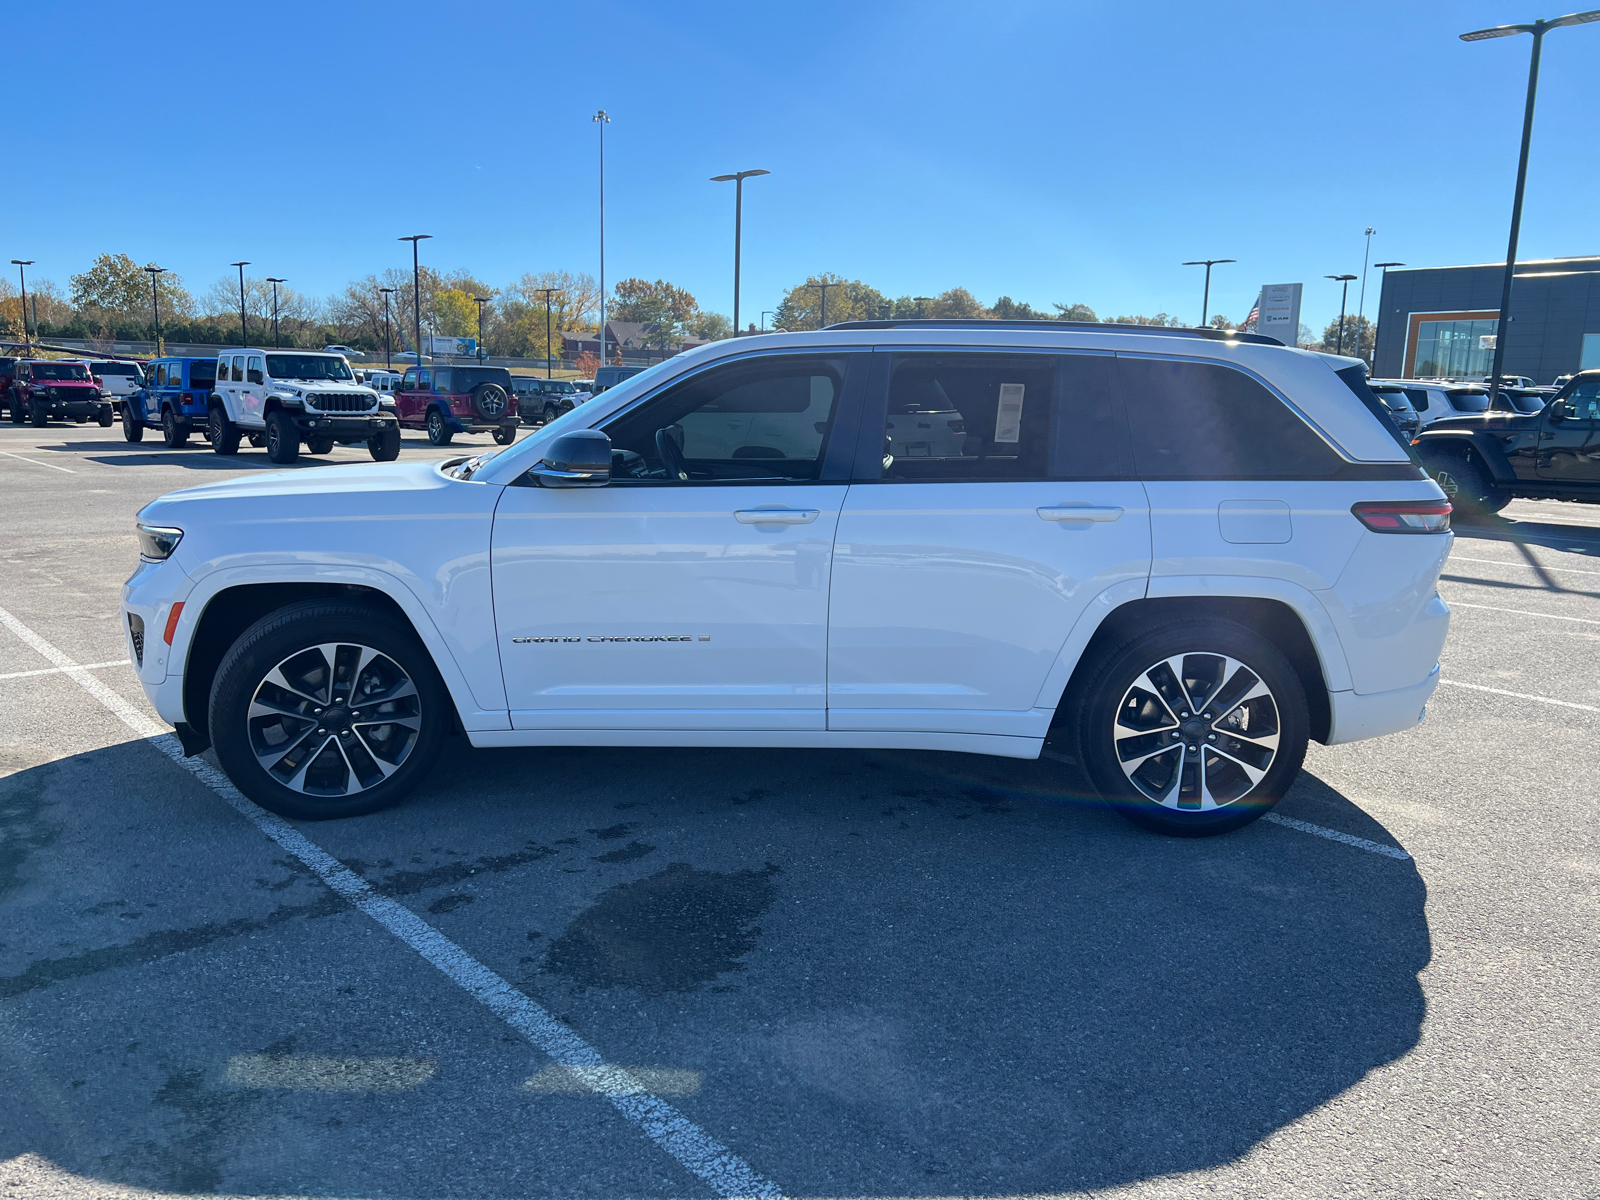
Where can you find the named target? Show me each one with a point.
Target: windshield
(61, 370)
(307, 366)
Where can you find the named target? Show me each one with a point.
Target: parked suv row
(447, 400)
(44, 390)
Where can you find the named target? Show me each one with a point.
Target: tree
(1074, 312)
(1158, 319)
(1359, 336)
(712, 326)
(1007, 309)
(1221, 322)
(116, 291)
(586, 364)
(455, 314)
(850, 300)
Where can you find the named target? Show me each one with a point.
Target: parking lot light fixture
(765, 313)
(155, 302)
(1344, 279)
(388, 358)
(548, 356)
(602, 118)
(244, 329)
(416, 293)
(1538, 29)
(737, 179)
(276, 344)
(1205, 298)
(22, 265)
(1361, 303)
(480, 301)
(1382, 279)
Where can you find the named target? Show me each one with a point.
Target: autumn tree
(455, 314)
(848, 300)
(115, 289)
(586, 364)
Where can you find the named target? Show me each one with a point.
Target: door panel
(1569, 449)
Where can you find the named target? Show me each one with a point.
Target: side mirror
(578, 459)
(1559, 412)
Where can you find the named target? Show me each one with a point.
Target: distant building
(1443, 321)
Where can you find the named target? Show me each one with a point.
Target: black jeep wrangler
(1486, 460)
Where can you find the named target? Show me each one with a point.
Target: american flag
(1255, 313)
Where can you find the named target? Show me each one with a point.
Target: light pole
(276, 342)
(1344, 279)
(244, 329)
(822, 319)
(548, 292)
(155, 301)
(1382, 279)
(922, 302)
(388, 360)
(22, 265)
(602, 118)
(1361, 304)
(765, 313)
(483, 350)
(738, 179)
(416, 294)
(1205, 300)
(1538, 29)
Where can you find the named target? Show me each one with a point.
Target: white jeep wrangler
(281, 398)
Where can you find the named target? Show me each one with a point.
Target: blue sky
(1052, 152)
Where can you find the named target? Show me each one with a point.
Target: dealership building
(1443, 321)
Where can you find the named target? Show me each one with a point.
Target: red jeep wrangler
(450, 399)
(60, 389)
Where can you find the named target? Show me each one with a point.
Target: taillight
(1404, 516)
(188, 397)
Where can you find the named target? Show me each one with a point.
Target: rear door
(993, 502)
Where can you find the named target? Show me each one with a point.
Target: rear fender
(1478, 445)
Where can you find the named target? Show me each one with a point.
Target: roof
(1215, 335)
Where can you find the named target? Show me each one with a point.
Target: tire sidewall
(276, 637)
(1095, 701)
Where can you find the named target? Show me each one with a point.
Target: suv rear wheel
(439, 434)
(176, 436)
(386, 446)
(283, 439)
(1467, 487)
(327, 709)
(222, 433)
(1191, 728)
(106, 417)
(550, 414)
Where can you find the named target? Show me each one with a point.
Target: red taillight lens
(1404, 516)
(188, 397)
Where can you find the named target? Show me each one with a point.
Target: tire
(439, 434)
(386, 446)
(283, 439)
(16, 409)
(355, 767)
(39, 417)
(106, 417)
(505, 434)
(489, 401)
(1131, 702)
(320, 445)
(176, 436)
(132, 425)
(550, 414)
(222, 433)
(1467, 487)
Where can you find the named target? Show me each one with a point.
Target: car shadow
(900, 973)
(198, 456)
(1526, 533)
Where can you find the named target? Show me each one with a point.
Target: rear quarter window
(1194, 420)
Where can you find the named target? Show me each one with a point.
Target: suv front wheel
(327, 709)
(1192, 728)
(1467, 487)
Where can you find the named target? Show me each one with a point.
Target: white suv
(1178, 553)
(283, 397)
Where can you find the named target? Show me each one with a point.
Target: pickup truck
(1486, 460)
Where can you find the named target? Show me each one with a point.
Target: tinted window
(968, 416)
(308, 366)
(161, 375)
(1584, 400)
(767, 418)
(467, 378)
(238, 369)
(103, 369)
(1192, 420)
(201, 374)
(408, 382)
(442, 379)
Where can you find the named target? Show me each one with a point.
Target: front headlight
(157, 542)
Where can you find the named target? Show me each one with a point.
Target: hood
(310, 490)
(323, 385)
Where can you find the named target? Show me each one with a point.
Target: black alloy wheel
(439, 434)
(327, 709)
(176, 436)
(132, 424)
(549, 414)
(283, 439)
(1190, 728)
(222, 433)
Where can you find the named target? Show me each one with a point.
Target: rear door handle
(1080, 512)
(777, 516)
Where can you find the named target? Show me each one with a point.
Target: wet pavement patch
(669, 932)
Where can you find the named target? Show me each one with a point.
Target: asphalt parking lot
(830, 973)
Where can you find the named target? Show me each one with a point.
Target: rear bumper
(1356, 716)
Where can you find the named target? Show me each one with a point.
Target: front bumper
(67, 410)
(343, 425)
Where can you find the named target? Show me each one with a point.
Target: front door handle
(1080, 512)
(776, 516)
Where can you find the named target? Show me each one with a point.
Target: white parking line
(52, 466)
(1533, 566)
(1494, 691)
(1521, 612)
(725, 1172)
(1333, 835)
(121, 662)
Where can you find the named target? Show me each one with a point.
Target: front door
(1569, 436)
(692, 591)
(993, 502)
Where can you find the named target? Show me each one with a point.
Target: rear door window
(441, 379)
(161, 374)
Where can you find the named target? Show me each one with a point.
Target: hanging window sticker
(1008, 414)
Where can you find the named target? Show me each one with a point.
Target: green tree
(1158, 319)
(1007, 309)
(848, 300)
(116, 290)
(455, 313)
(712, 326)
(1074, 312)
(1359, 337)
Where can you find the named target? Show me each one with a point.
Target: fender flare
(474, 716)
(1475, 444)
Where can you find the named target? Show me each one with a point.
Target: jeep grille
(338, 402)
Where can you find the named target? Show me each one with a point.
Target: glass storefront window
(1455, 349)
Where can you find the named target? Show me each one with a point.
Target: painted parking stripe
(1541, 566)
(52, 466)
(1333, 835)
(1494, 691)
(725, 1172)
(121, 662)
(1521, 612)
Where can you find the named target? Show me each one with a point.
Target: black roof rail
(1214, 335)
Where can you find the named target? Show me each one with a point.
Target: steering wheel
(671, 457)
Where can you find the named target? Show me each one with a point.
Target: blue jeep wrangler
(172, 400)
